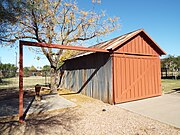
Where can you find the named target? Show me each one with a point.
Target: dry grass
(75, 97)
(170, 84)
(28, 81)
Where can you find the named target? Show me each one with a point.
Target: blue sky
(159, 18)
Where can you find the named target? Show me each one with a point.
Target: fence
(166, 73)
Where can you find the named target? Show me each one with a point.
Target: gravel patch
(90, 117)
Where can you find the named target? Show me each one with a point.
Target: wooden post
(21, 82)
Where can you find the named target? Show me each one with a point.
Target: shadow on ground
(9, 93)
(54, 123)
(9, 100)
(3, 82)
(176, 90)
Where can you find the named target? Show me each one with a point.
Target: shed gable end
(138, 45)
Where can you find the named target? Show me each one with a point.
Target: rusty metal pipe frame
(79, 48)
(27, 43)
(20, 82)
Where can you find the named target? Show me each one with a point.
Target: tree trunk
(54, 78)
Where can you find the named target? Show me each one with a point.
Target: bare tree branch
(60, 22)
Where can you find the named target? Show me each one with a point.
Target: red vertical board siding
(138, 45)
(147, 77)
(132, 46)
(153, 79)
(159, 76)
(122, 79)
(144, 64)
(118, 77)
(132, 76)
(145, 80)
(150, 77)
(122, 49)
(125, 48)
(142, 80)
(156, 78)
(136, 77)
(114, 78)
(147, 48)
(139, 84)
(128, 78)
(128, 47)
(148, 81)
(143, 45)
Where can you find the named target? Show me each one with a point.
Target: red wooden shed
(122, 69)
(136, 72)
(129, 71)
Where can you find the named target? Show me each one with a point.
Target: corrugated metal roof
(110, 44)
(116, 42)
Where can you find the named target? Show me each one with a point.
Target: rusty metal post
(20, 82)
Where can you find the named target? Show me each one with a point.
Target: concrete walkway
(165, 108)
(49, 103)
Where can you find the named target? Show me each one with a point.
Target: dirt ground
(90, 117)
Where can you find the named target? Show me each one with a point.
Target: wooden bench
(38, 88)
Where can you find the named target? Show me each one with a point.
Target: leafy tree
(46, 68)
(172, 64)
(32, 68)
(9, 10)
(26, 71)
(61, 22)
(67, 54)
(10, 13)
(8, 70)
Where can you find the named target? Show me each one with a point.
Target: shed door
(136, 77)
